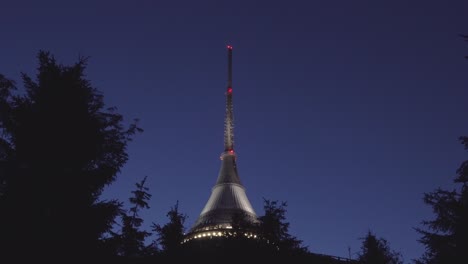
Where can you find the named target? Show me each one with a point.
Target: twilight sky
(347, 110)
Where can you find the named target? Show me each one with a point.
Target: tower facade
(228, 202)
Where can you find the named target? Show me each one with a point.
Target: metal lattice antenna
(229, 119)
(228, 198)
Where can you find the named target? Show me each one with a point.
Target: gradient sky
(347, 110)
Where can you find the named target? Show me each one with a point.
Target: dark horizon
(336, 103)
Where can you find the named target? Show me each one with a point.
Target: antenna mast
(229, 119)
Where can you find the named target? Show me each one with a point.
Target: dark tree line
(446, 236)
(60, 147)
(377, 251)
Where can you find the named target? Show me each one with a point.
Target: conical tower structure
(228, 202)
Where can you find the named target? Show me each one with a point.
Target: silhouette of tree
(6, 149)
(60, 148)
(275, 229)
(281, 247)
(240, 222)
(171, 235)
(446, 237)
(377, 251)
(131, 240)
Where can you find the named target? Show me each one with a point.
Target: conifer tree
(59, 148)
(132, 239)
(377, 251)
(171, 235)
(446, 236)
(275, 229)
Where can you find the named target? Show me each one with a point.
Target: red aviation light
(229, 47)
(228, 152)
(229, 90)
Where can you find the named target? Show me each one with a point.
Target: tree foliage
(446, 236)
(131, 240)
(377, 251)
(275, 229)
(59, 147)
(240, 221)
(171, 235)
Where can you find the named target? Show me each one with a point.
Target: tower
(228, 202)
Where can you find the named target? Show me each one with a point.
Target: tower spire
(228, 198)
(229, 119)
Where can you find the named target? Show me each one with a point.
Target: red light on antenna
(231, 151)
(229, 90)
(229, 47)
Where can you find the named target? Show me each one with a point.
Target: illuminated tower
(228, 199)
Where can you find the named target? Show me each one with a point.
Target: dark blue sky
(347, 110)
